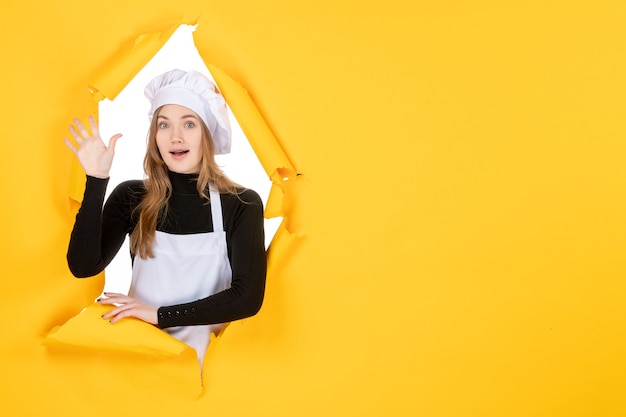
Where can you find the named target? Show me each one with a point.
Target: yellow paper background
(460, 208)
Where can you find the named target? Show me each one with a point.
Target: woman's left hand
(128, 307)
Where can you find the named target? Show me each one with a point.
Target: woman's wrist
(100, 175)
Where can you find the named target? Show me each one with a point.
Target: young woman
(196, 238)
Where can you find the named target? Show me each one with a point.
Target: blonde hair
(159, 188)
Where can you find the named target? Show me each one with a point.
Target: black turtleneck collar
(183, 183)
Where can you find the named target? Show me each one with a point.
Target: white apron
(185, 268)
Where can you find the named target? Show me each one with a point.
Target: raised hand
(93, 155)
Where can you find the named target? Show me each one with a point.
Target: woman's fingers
(94, 156)
(70, 145)
(81, 128)
(128, 307)
(113, 298)
(118, 313)
(113, 141)
(81, 134)
(94, 126)
(75, 135)
(121, 302)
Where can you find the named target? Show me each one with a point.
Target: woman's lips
(179, 154)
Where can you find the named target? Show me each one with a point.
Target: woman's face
(179, 138)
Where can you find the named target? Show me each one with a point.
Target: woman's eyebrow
(182, 117)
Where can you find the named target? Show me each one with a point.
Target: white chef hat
(196, 92)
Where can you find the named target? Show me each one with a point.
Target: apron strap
(216, 210)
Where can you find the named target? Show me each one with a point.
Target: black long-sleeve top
(99, 233)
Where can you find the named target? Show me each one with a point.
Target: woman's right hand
(93, 155)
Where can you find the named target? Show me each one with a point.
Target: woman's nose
(176, 136)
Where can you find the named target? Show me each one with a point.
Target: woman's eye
(189, 124)
(162, 125)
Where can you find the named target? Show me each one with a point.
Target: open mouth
(179, 153)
